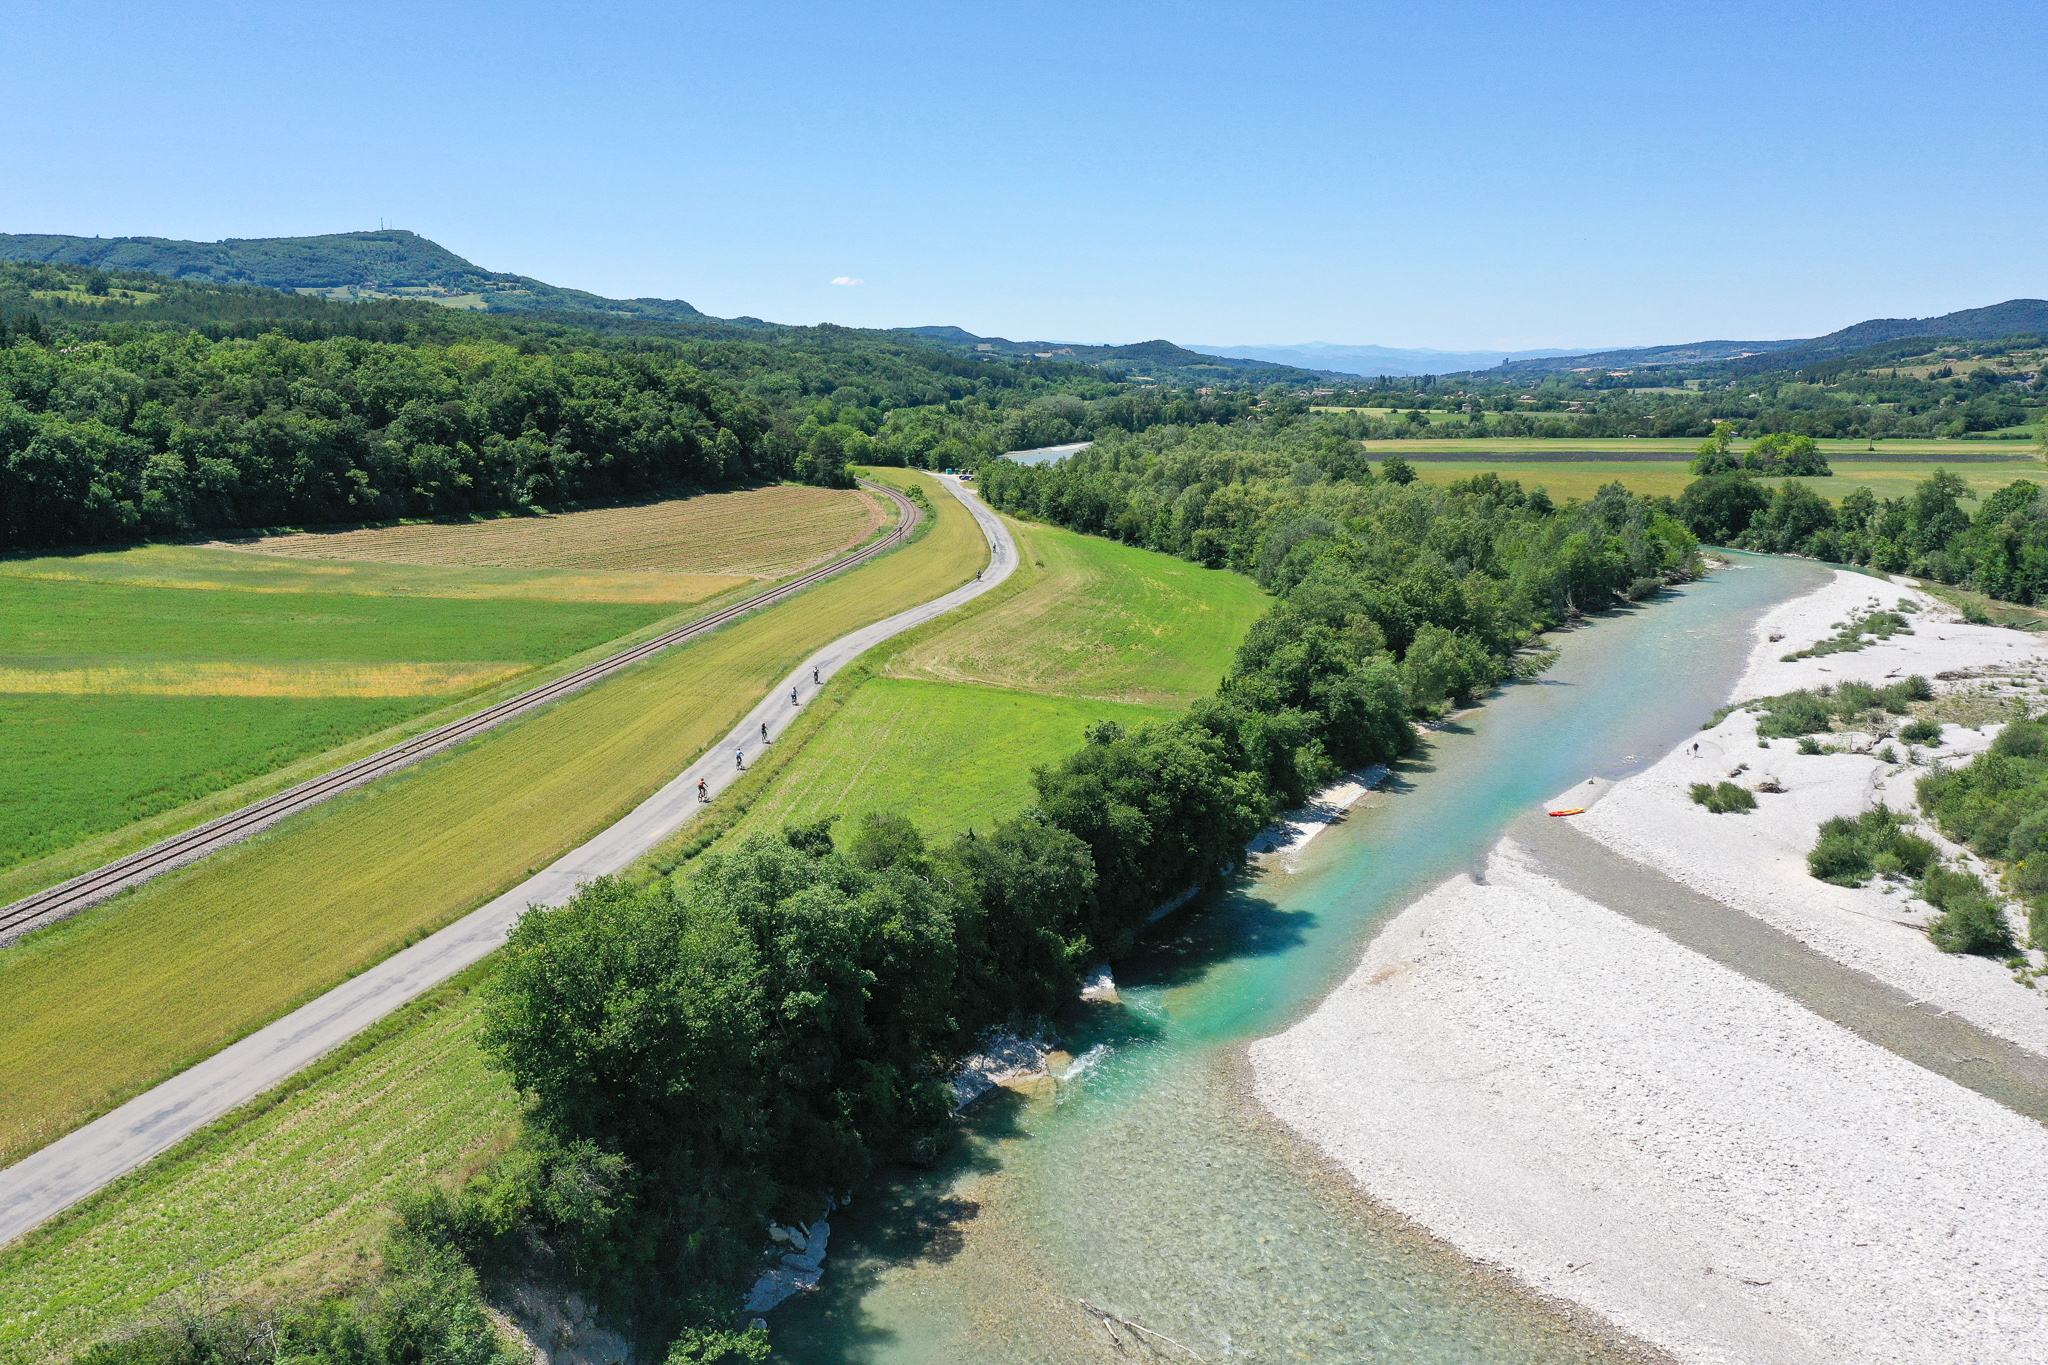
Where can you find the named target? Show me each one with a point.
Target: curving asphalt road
(88, 1158)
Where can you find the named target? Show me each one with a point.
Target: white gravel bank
(1756, 862)
(1620, 1121)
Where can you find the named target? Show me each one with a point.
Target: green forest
(134, 407)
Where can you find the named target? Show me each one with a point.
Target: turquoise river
(1148, 1183)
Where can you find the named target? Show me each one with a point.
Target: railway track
(68, 898)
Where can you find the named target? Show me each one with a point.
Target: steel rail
(82, 892)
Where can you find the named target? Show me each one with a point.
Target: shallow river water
(1149, 1184)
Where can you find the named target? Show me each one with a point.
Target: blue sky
(1468, 176)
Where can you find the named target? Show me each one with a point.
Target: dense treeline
(133, 406)
(2001, 551)
(169, 434)
(1299, 502)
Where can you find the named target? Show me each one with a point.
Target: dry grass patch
(229, 678)
(759, 532)
(212, 569)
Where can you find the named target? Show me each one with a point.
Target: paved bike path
(90, 1157)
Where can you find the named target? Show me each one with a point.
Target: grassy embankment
(287, 1191)
(100, 1007)
(291, 1191)
(144, 691)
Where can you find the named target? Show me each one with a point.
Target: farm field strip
(68, 898)
(86, 1158)
(947, 756)
(228, 678)
(1634, 447)
(1580, 479)
(210, 569)
(749, 532)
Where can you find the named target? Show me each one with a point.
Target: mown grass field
(96, 1009)
(950, 756)
(946, 725)
(287, 1192)
(1580, 478)
(760, 532)
(1097, 619)
(121, 702)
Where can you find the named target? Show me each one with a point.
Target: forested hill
(2014, 316)
(341, 265)
(1145, 359)
(135, 406)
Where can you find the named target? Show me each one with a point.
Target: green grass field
(98, 1008)
(1096, 619)
(98, 736)
(957, 715)
(1579, 478)
(950, 756)
(288, 1191)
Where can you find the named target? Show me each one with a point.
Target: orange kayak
(1575, 810)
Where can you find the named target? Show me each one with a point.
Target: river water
(1149, 1184)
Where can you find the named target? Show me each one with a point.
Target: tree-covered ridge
(352, 264)
(170, 434)
(134, 406)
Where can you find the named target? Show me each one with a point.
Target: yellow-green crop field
(1579, 478)
(96, 1009)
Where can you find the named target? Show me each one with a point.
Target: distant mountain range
(1969, 324)
(395, 263)
(1153, 359)
(1371, 361)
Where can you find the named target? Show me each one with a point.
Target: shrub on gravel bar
(1723, 798)
(1852, 849)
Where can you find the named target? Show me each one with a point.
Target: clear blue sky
(1471, 175)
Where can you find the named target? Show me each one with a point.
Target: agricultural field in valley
(759, 532)
(145, 690)
(120, 703)
(1580, 478)
(948, 723)
(288, 1190)
(102, 1006)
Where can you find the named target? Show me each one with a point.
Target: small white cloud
(848, 279)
